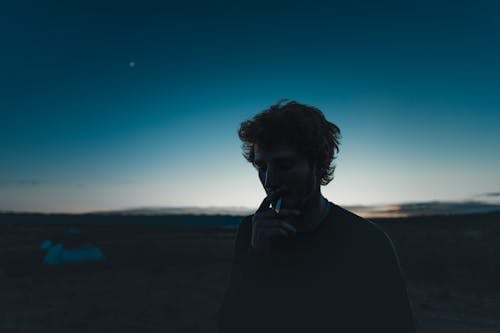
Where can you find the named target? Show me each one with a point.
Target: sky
(117, 104)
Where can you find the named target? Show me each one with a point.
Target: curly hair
(299, 126)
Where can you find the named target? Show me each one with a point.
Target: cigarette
(278, 206)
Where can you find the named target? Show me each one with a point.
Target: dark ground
(157, 278)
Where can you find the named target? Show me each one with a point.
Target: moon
(131, 64)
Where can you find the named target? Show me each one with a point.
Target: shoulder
(361, 231)
(353, 221)
(368, 243)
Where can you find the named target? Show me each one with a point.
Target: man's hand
(266, 223)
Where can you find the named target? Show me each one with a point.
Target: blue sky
(413, 87)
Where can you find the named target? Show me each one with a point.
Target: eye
(262, 167)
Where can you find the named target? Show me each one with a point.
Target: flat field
(158, 278)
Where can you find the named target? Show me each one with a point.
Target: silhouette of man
(306, 264)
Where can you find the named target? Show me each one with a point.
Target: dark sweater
(342, 277)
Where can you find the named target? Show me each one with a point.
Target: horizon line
(407, 209)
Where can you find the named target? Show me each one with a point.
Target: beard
(302, 196)
(309, 191)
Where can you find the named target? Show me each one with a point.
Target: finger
(268, 232)
(269, 213)
(266, 219)
(284, 233)
(270, 198)
(273, 224)
(288, 227)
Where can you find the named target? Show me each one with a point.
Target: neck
(314, 211)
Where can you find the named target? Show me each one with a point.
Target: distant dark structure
(306, 264)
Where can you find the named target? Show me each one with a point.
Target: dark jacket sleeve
(231, 311)
(388, 306)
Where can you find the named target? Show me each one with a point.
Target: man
(306, 264)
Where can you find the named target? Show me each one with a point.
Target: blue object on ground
(57, 255)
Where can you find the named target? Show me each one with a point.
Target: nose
(270, 182)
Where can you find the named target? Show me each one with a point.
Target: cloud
(193, 210)
(396, 210)
(20, 183)
(491, 194)
(426, 208)
(30, 183)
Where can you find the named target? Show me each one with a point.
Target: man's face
(282, 166)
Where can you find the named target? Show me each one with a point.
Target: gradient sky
(108, 105)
